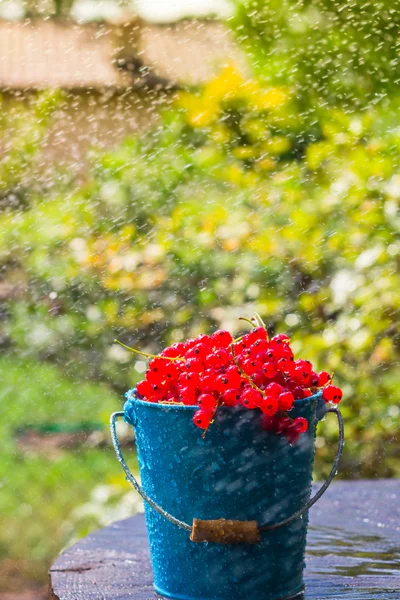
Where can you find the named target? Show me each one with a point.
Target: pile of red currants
(253, 371)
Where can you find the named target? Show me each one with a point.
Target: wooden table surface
(353, 551)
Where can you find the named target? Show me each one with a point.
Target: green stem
(261, 323)
(247, 320)
(145, 353)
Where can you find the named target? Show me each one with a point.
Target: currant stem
(237, 339)
(145, 353)
(261, 324)
(247, 320)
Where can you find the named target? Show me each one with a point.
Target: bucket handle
(264, 526)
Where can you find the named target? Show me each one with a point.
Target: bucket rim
(193, 407)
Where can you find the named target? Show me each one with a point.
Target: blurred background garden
(165, 170)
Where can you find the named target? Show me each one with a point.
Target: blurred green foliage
(336, 51)
(24, 126)
(42, 483)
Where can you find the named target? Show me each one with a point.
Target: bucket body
(237, 471)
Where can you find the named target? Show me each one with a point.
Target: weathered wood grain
(353, 551)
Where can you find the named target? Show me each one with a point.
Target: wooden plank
(353, 551)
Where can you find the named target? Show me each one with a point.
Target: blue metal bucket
(237, 471)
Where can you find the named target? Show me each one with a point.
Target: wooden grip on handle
(224, 531)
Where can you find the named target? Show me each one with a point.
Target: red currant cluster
(252, 371)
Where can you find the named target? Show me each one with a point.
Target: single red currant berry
(300, 424)
(192, 365)
(207, 402)
(157, 391)
(323, 378)
(291, 434)
(285, 365)
(307, 393)
(158, 365)
(251, 398)
(258, 347)
(258, 378)
(204, 340)
(269, 406)
(234, 375)
(298, 392)
(187, 395)
(257, 334)
(189, 344)
(221, 339)
(338, 396)
(223, 383)
(284, 351)
(190, 380)
(301, 376)
(202, 418)
(280, 339)
(144, 388)
(217, 359)
(272, 355)
(174, 351)
(154, 376)
(304, 365)
(285, 401)
(249, 366)
(269, 370)
(331, 393)
(171, 396)
(198, 351)
(245, 342)
(284, 423)
(207, 383)
(172, 371)
(230, 397)
(273, 389)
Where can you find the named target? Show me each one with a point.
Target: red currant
(273, 389)
(174, 351)
(207, 402)
(331, 393)
(269, 370)
(269, 406)
(187, 395)
(207, 382)
(190, 380)
(256, 334)
(221, 339)
(300, 424)
(144, 388)
(202, 418)
(230, 397)
(198, 351)
(323, 378)
(234, 376)
(285, 401)
(258, 347)
(192, 365)
(280, 339)
(251, 398)
(217, 359)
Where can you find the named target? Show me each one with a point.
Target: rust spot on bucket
(224, 531)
